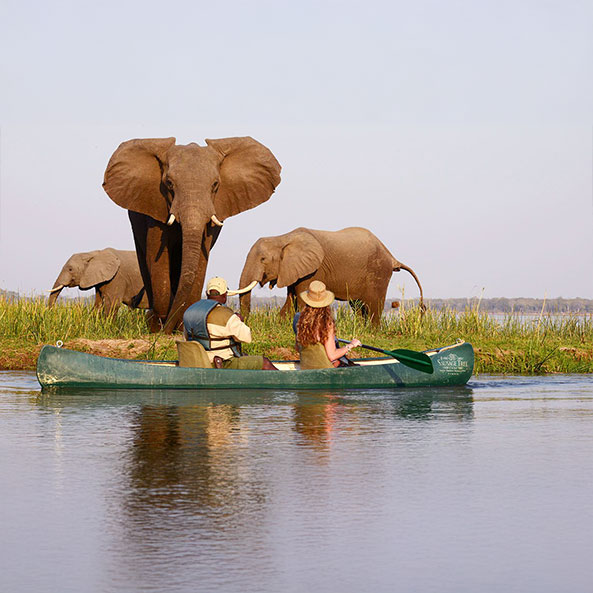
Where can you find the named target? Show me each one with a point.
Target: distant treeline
(495, 305)
(505, 305)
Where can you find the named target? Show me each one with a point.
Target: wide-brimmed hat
(317, 295)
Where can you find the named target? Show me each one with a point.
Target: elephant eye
(169, 183)
(215, 186)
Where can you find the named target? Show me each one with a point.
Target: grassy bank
(513, 345)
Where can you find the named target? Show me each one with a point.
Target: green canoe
(62, 368)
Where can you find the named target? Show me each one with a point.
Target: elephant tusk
(243, 290)
(56, 288)
(171, 220)
(215, 220)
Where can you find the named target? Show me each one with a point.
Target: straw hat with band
(317, 295)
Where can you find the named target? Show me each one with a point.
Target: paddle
(410, 358)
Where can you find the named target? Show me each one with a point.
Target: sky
(459, 132)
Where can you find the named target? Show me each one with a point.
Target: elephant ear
(249, 173)
(134, 174)
(301, 256)
(101, 267)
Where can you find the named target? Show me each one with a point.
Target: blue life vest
(196, 326)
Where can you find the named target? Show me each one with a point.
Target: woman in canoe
(316, 329)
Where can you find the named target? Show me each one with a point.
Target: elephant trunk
(245, 304)
(248, 276)
(194, 259)
(54, 294)
(60, 283)
(408, 269)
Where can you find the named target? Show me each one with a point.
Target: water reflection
(316, 421)
(298, 491)
(201, 474)
(185, 455)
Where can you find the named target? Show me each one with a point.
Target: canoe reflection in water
(190, 454)
(201, 466)
(219, 453)
(316, 421)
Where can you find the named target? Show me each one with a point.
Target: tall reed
(504, 344)
(31, 320)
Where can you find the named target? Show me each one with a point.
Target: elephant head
(280, 261)
(196, 187)
(85, 270)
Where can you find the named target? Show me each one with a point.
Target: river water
(487, 488)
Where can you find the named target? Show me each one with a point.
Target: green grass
(513, 345)
(32, 321)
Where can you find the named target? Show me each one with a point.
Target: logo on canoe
(451, 363)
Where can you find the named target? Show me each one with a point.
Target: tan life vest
(315, 357)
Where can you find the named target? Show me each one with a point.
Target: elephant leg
(152, 240)
(136, 301)
(110, 306)
(375, 309)
(298, 288)
(161, 260)
(98, 299)
(114, 294)
(359, 307)
(139, 223)
(158, 267)
(371, 310)
(289, 307)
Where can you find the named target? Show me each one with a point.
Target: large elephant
(114, 274)
(352, 263)
(177, 197)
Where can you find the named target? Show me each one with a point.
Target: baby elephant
(352, 263)
(114, 275)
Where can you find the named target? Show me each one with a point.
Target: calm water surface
(485, 488)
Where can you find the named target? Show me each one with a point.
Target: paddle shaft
(416, 360)
(365, 346)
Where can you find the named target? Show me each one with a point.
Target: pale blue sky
(460, 133)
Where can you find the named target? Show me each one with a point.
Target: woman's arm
(334, 353)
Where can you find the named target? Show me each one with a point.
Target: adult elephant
(114, 274)
(352, 263)
(177, 197)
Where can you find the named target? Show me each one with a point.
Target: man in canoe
(220, 330)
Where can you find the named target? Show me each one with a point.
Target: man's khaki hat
(317, 295)
(217, 283)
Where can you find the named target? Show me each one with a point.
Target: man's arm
(238, 329)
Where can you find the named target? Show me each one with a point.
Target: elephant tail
(397, 266)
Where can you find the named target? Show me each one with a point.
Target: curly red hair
(314, 325)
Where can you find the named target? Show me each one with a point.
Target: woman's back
(316, 330)
(314, 356)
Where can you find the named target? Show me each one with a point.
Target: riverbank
(511, 345)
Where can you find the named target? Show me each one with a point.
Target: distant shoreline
(523, 306)
(500, 305)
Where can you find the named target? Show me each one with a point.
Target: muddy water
(483, 488)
